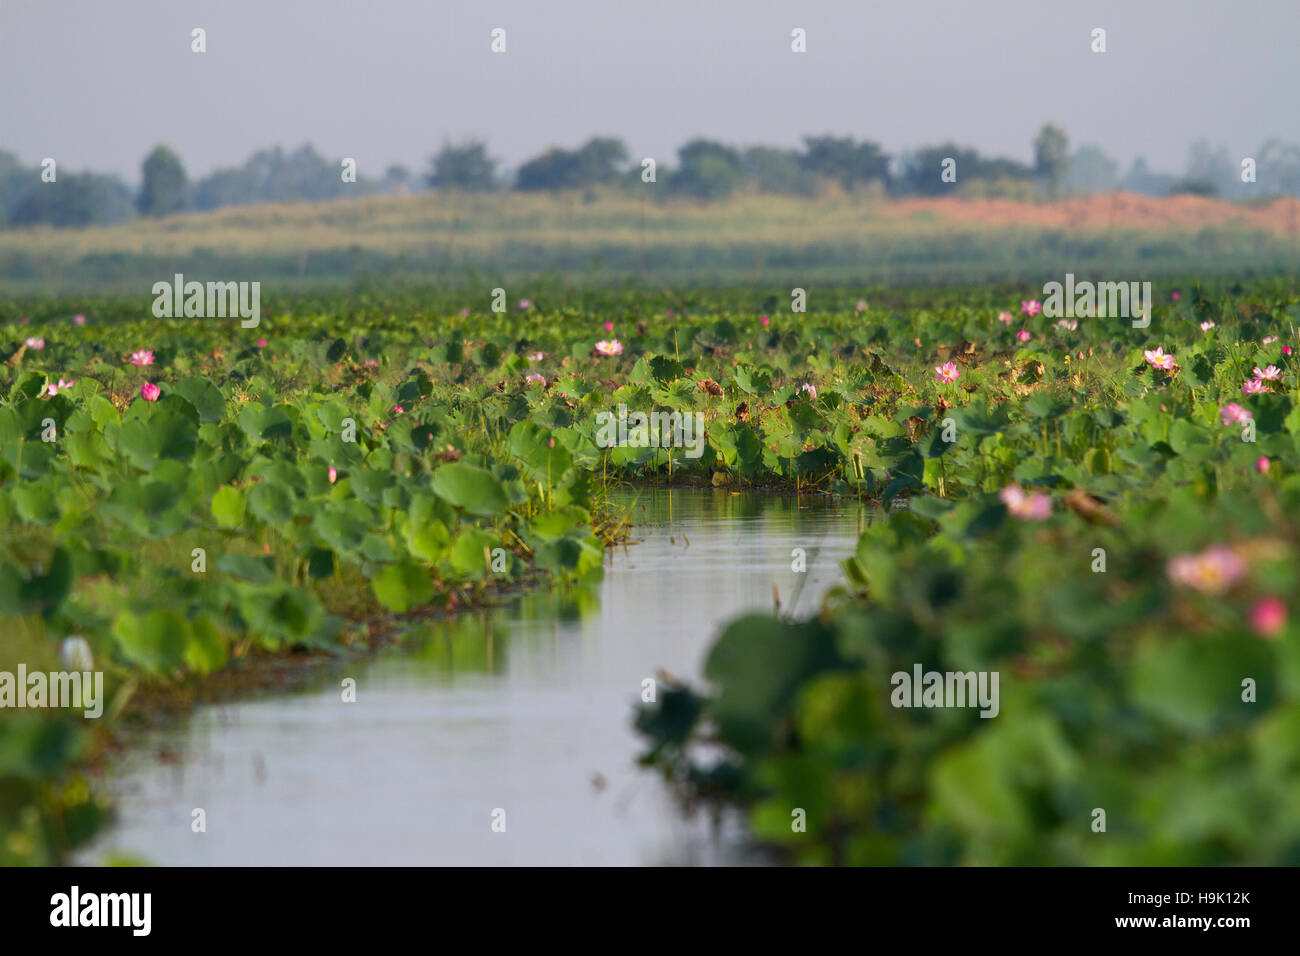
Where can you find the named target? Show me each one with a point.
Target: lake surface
(525, 708)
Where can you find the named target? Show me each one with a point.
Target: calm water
(525, 708)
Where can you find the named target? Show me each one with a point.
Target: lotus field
(1104, 515)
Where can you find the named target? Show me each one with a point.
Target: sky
(96, 84)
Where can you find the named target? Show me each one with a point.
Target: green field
(238, 495)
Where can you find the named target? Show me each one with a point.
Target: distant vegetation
(613, 237)
(704, 170)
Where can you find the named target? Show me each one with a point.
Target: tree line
(704, 169)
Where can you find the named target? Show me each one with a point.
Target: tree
(1279, 168)
(1091, 171)
(554, 169)
(165, 187)
(1141, 179)
(845, 161)
(272, 175)
(601, 160)
(75, 199)
(1052, 156)
(923, 170)
(1211, 172)
(466, 167)
(597, 162)
(397, 179)
(13, 183)
(706, 170)
(775, 170)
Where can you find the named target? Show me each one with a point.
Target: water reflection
(524, 708)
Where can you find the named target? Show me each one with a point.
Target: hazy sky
(96, 83)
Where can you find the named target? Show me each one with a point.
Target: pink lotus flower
(1286, 350)
(261, 343)
(1024, 335)
(1268, 616)
(1207, 325)
(610, 347)
(947, 372)
(1269, 340)
(1213, 571)
(52, 389)
(78, 320)
(142, 358)
(1070, 324)
(464, 313)
(1027, 507)
(609, 326)
(537, 356)
(1158, 358)
(334, 475)
(372, 363)
(1233, 414)
(1031, 306)
(1261, 464)
(810, 389)
(533, 378)
(150, 392)
(524, 305)
(1004, 317)
(764, 320)
(862, 305)
(1269, 374)
(1254, 387)
(1175, 295)
(35, 343)
(398, 409)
